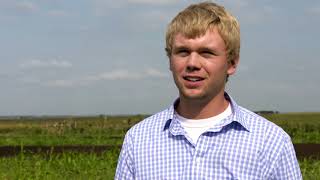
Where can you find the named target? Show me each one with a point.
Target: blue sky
(107, 57)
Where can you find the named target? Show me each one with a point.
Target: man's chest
(213, 157)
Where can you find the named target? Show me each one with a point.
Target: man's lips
(193, 78)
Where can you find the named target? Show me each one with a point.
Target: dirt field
(302, 150)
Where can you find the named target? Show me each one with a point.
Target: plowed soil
(302, 150)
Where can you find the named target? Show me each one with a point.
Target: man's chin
(193, 95)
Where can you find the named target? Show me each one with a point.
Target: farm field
(60, 166)
(89, 166)
(302, 127)
(96, 130)
(108, 130)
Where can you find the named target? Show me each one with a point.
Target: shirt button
(198, 161)
(198, 164)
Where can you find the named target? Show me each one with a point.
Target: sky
(89, 57)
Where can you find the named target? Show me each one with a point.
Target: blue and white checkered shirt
(246, 146)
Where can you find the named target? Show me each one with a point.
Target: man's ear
(232, 65)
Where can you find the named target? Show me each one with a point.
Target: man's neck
(202, 108)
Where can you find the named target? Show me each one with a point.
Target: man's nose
(193, 62)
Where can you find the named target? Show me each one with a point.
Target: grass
(60, 166)
(310, 168)
(302, 127)
(89, 166)
(97, 130)
(36, 136)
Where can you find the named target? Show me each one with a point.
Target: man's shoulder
(254, 122)
(259, 124)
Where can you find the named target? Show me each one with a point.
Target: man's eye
(182, 52)
(207, 54)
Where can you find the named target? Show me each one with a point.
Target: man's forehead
(195, 33)
(211, 37)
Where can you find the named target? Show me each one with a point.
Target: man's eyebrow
(206, 49)
(180, 48)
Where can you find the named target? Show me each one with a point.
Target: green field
(60, 166)
(98, 130)
(88, 166)
(302, 127)
(102, 130)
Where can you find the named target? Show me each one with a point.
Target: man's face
(199, 66)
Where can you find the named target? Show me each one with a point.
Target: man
(205, 134)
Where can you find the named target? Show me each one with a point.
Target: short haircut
(197, 19)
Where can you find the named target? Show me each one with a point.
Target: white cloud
(57, 13)
(60, 83)
(150, 19)
(123, 74)
(119, 74)
(151, 72)
(35, 63)
(49, 83)
(26, 6)
(15, 7)
(314, 10)
(250, 11)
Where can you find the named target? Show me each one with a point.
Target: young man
(205, 134)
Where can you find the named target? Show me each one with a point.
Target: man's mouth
(193, 79)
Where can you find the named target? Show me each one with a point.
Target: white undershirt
(195, 127)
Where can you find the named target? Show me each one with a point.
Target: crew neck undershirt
(195, 127)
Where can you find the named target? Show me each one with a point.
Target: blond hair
(197, 19)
